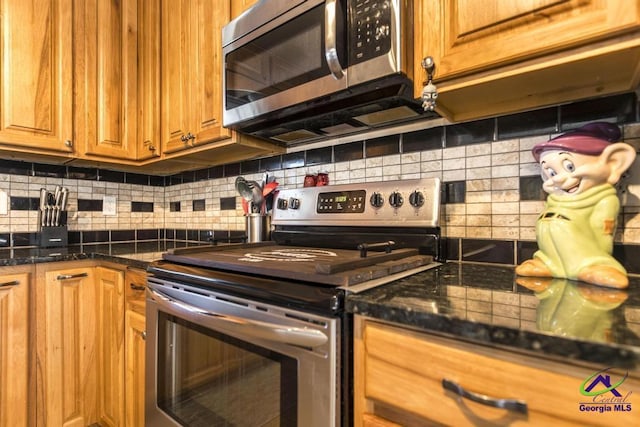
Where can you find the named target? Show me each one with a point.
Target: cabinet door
(14, 347)
(67, 353)
(176, 66)
(476, 36)
(110, 335)
(148, 79)
(207, 20)
(106, 68)
(36, 94)
(135, 334)
(192, 73)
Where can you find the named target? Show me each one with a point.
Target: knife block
(54, 236)
(50, 237)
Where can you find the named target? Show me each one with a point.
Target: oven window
(281, 59)
(206, 378)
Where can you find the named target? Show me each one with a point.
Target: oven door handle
(292, 335)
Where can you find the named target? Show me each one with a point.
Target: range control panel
(410, 203)
(341, 201)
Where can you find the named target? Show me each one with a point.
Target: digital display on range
(341, 202)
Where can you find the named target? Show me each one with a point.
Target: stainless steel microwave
(305, 70)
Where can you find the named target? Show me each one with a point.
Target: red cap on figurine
(589, 139)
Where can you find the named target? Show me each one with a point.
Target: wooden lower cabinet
(135, 345)
(66, 345)
(399, 377)
(15, 338)
(135, 334)
(111, 345)
(82, 340)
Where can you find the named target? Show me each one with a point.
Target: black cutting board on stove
(338, 267)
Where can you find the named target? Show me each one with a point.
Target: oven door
(213, 359)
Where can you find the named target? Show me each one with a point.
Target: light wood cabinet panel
(176, 40)
(36, 94)
(111, 346)
(399, 374)
(149, 139)
(15, 337)
(239, 6)
(106, 77)
(135, 334)
(191, 73)
(67, 350)
(496, 57)
(117, 63)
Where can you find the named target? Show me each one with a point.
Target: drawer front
(405, 370)
(135, 284)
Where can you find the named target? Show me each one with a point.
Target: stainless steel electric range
(256, 334)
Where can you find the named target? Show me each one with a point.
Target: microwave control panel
(370, 34)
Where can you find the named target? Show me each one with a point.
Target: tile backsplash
(492, 191)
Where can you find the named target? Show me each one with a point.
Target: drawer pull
(508, 404)
(136, 287)
(7, 284)
(71, 276)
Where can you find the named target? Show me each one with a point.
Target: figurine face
(566, 173)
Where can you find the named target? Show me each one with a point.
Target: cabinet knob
(135, 287)
(188, 137)
(429, 91)
(143, 335)
(68, 143)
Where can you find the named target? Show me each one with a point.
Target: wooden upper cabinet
(36, 77)
(522, 54)
(106, 77)
(117, 78)
(148, 141)
(191, 73)
(239, 6)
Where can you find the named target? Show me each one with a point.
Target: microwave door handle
(301, 337)
(330, 50)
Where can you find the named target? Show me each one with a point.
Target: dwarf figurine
(575, 230)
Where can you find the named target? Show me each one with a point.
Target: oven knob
(283, 204)
(376, 200)
(294, 203)
(395, 199)
(416, 199)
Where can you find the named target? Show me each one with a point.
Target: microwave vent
(391, 115)
(339, 129)
(298, 135)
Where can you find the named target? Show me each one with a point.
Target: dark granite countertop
(488, 305)
(129, 255)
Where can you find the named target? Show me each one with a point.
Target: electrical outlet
(109, 204)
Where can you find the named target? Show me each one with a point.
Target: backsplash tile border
(488, 187)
